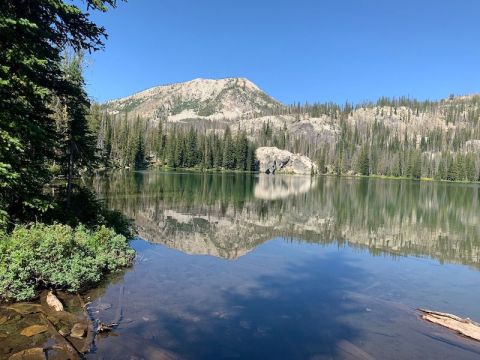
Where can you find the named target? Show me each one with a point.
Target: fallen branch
(103, 328)
(465, 327)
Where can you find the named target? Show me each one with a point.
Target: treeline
(391, 137)
(375, 150)
(136, 143)
(385, 138)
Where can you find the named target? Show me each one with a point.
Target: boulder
(53, 302)
(272, 160)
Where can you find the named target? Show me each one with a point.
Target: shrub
(58, 256)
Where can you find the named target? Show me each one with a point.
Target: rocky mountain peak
(228, 98)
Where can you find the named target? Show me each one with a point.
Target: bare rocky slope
(224, 99)
(240, 103)
(236, 102)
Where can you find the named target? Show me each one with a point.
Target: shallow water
(250, 266)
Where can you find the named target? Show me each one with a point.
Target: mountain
(239, 102)
(231, 99)
(393, 137)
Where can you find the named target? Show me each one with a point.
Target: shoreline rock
(37, 330)
(53, 302)
(272, 160)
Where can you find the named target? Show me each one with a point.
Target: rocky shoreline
(54, 327)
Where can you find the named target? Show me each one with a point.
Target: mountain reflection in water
(301, 268)
(227, 215)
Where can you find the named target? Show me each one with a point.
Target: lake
(249, 266)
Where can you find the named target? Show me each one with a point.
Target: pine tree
(159, 148)
(170, 147)
(218, 152)
(470, 168)
(241, 151)
(228, 150)
(442, 169)
(460, 167)
(363, 162)
(179, 150)
(76, 142)
(452, 174)
(250, 161)
(191, 156)
(139, 159)
(338, 164)
(416, 171)
(321, 163)
(33, 36)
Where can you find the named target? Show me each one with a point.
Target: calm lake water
(290, 267)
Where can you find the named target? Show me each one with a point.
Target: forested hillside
(391, 137)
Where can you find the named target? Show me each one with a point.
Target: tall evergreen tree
(241, 151)
(363, 163)
(228, 150)
(76, 142)
(33, 35)
(170, 147)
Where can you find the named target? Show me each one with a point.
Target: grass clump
(58, 256)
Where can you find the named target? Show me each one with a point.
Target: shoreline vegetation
(54, 232)
(55, 235)
(235, 171)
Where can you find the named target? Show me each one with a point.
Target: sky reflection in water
(296, 268)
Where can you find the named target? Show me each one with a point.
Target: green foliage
(176, 147)
(363, 165)
(180, 106)
(75, 142)
(58, 256)
(228, 150)
(207, 109)
(420, 149)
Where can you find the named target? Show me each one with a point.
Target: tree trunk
(70, 174)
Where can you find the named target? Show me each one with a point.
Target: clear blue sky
(296, 50)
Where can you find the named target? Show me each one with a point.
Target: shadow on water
(285, 301)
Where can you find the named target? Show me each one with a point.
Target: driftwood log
(465, 327)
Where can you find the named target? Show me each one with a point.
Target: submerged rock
(78, 331)
(34, 330)
(29, 354)
(272, 160)
(26, 308)
(35, 326)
